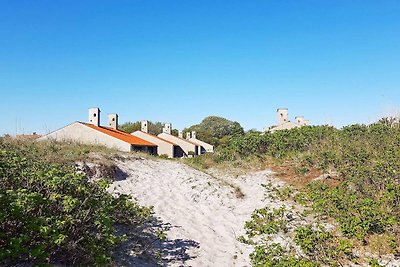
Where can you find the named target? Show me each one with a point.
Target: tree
(212, 129)
(154, 127)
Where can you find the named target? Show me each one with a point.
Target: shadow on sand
(144, 247)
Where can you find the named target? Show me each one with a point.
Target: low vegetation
(360, 191)
(49, 213)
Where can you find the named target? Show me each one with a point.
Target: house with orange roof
(95, 134)
(164, 147)
(189, 148)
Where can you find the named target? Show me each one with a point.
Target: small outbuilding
(93, 133)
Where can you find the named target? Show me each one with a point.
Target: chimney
(113, 121)
(194, 134)
(283, 115)
(188, 135)
(94, 116)
(180, 134)
(300, 120)
(145, 126)
(167, 128)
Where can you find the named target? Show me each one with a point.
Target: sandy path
(204, 215)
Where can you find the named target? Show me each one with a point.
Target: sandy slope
(203, 213)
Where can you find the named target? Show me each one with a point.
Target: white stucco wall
(286, 126)
(282, 115)
(83, 134)
(209, 148)
(184, 144)
(163, 147)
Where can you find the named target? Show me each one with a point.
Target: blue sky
(334, 62)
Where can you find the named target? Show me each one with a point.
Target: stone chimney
(188, 135)
(300, 120)
(167, 128)
(113, 121)
(94, 116)
(283, 115)
(180, 134)
(194, 134)
(144, 126)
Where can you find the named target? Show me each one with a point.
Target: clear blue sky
(334, 62)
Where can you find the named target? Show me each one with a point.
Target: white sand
(204, 214)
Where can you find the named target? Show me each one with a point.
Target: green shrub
(49, 213)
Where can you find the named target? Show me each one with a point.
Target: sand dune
(203, 214)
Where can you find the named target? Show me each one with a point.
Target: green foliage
(216, 130)
(153, 127)
(274, 255)
(266, 222)
(365, 157)
(365, 198)
(130, 127)
(49, 213)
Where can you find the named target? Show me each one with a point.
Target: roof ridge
(121, 135)
(158, 137)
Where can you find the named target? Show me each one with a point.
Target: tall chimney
(283, 115)
(167, 128)
(180, 134)
(94, 116)
(300, 120)
(194, 134)
(188, 135)
(113, 121)
(145, 126)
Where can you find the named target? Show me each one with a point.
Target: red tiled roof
(133, 140)
(160, 138)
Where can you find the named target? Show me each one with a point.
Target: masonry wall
(164, 148)
(207, 147)
(80, 133)
(285, 126)
(186, 146)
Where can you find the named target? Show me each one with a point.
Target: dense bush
(216, 130)
(49, 213)
(365, 198)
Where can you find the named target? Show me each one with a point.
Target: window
(94, 115)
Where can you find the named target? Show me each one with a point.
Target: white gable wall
(83, 134)
(207, 147)
(185, 145)
(164, 148)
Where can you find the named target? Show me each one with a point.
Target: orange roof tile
(160, 138)
(133, 140)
